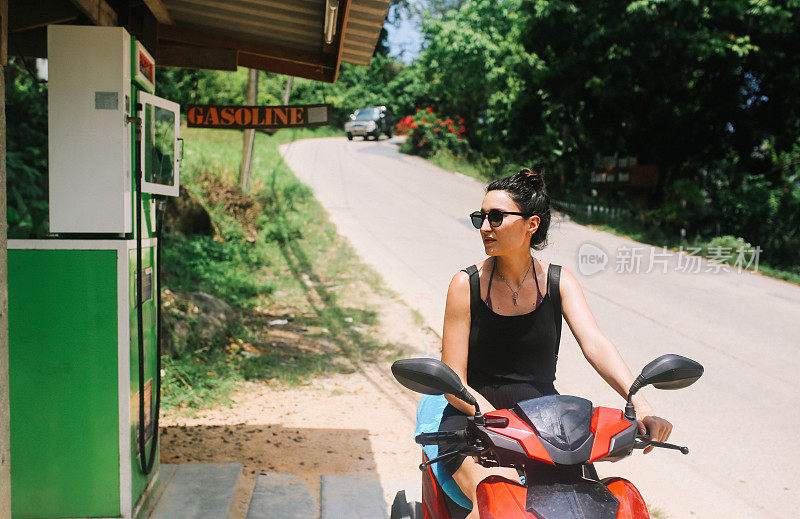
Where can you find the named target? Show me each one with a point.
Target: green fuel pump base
(86, 328)
(75, 385)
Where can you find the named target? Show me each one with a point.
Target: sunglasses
(495, 217)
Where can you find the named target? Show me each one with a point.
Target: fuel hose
(147, 459)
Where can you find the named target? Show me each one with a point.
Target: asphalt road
(408, 219)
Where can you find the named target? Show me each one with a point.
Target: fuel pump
(84, 301)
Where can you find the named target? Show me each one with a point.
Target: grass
(220, 151)
(299, 291)
(620, 226)
(446, 160)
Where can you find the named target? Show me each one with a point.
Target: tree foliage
(679, 84)
(26, 151)
(471, 64)
(705, 90)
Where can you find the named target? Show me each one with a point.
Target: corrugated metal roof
(283, 36)
(294, 23)
(297, 24)
(364, 24)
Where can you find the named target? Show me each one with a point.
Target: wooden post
(288, 90)
(249, 135)
(5, 395)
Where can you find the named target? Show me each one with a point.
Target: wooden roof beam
(323, 73)
(160, 11)
(98, 11)
(342, 22)
(201, 38)
(190, 56)
(21, 17)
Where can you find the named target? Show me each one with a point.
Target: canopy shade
(283, 36)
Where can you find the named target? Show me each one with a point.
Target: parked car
(370, 122)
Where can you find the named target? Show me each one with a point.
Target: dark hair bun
(527, 190)
(534, 176)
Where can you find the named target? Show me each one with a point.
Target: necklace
(514, 293)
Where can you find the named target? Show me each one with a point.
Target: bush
(765, 213)
(732, 250)
(427, 133)
(686, 205)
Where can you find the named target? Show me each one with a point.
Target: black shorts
(501, 397)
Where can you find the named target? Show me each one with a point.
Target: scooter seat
(429, 417)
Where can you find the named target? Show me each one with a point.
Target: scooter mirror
(431, 377)
(666, 372)
(671, 372)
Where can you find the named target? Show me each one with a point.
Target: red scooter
(552, 441)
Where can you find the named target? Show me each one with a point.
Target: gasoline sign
(258, 117)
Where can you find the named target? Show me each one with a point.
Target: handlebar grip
(435, 438)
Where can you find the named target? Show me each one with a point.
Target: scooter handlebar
(436, 438)
(645, 441)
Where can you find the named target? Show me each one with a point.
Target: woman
(502, 330)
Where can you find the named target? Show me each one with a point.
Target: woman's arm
(603, 355)
(455, 340)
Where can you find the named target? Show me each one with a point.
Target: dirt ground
(359, 424)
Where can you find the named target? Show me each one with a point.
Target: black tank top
(517, 348)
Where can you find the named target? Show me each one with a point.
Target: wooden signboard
(258, 117)
(642, 175)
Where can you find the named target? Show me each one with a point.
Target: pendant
(514, 297)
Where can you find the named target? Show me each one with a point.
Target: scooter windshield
(563, 423)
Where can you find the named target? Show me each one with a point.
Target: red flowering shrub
(426, 133)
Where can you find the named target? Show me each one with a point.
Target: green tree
(702, 89)
(680, 84)
(190, 86)
(26, 150)
(472, 65)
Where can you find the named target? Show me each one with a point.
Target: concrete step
(343, 497)
(281, 496)
(199, 491)
(165, 473)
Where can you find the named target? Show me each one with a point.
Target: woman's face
(513, 233)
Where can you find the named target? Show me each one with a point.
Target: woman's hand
(658, 428)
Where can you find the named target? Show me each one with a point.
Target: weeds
(229, 270)
(283, 269)
(471, 168)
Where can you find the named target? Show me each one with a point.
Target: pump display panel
(161, 145)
